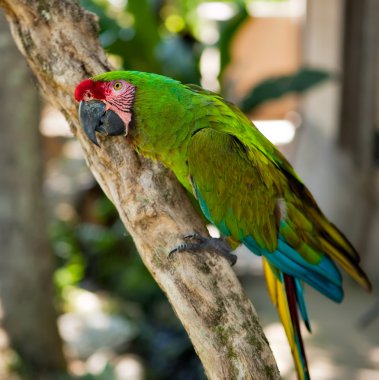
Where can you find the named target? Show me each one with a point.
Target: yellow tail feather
(278, 296)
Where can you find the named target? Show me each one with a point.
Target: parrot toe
(197, 243)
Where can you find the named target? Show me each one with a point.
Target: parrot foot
(197, 243)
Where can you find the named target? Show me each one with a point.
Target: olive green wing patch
(235, 193)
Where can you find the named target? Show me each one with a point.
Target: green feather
(247, 184)
(243, 184)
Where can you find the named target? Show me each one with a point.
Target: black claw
(184, 247)
(196, 236)
(178, 248)
(216, 245)
(232, 259)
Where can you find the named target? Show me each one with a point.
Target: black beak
(93, 118)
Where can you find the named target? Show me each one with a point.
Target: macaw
(243, 184)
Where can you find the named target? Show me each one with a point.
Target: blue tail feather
(323, 276)
(250, 243)
(325, 267)
(301, 304)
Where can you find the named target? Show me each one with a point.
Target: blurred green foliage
(274, 88)
(94, 251)
(165, 37)
(227, 34)
(153, 36)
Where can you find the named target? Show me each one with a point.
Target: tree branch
(59, 41)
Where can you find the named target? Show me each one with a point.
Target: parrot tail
(286, 294)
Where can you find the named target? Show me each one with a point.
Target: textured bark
(59, 40)
(26, 290)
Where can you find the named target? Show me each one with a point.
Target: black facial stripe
(123, 102)
(125, 107)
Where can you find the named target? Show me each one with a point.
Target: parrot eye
(117, 86)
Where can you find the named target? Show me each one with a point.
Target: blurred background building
(306, 72)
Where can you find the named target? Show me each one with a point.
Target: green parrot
(243, 184)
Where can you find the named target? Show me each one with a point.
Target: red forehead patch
(96, 89)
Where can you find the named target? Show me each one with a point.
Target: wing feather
(252, 194)
(238, 200)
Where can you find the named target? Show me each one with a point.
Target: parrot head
(105, 106)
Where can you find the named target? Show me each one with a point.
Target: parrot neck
(170, 150)
(164, 118)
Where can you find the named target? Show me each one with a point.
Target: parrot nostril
(87, 96)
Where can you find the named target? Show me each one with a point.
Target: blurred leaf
(228, 30)
(146, 32)
(96, 238)
(70, 262)
(132, 33)
(179, 59)
(274, 88)
(70, 274)
(104, 209)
